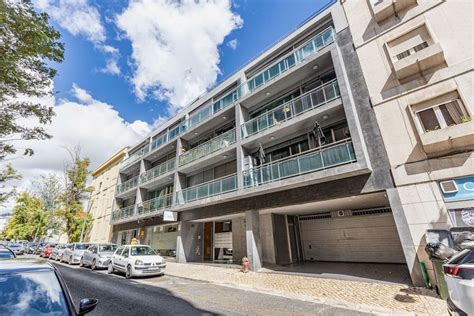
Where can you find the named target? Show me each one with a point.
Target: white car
(459, 276)
(98, 256)
(137, 260)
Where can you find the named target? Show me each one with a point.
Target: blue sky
(264, 22)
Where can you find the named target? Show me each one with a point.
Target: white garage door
(358, 236)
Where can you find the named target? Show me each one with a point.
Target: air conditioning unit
(449, 186)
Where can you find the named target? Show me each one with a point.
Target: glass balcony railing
(123, 212)
(295, 57)
(208, 147)
(135, 157)
(157, 171)
(310, 100)
(324, 157)
(207, 189)
(127, 185)
(155, 205)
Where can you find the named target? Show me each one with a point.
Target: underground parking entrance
(353, 238)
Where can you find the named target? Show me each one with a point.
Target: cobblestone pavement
(363, 295)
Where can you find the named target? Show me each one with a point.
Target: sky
(131, 64)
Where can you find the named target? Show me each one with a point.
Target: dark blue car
(35, 287)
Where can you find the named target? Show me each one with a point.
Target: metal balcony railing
(155, 205)
(207, 189)
(127, 185)
(320, 158)
(157, 171)
(123, 213)
(293, 58)
(308, 101)
(208, 147)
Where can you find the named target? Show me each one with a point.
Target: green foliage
(28, 218)
(76, 192)
(28, 43)
(7, 174)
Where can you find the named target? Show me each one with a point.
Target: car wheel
(110, 268)
(128, 273)
(81, 263)
(93, 267)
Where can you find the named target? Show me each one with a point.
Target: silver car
(17, 248)
(73, 252)
(57, 252)
(98, 256)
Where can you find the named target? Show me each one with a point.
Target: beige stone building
(417, 59)
(104, 179)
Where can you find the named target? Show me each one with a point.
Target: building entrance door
(208, 232)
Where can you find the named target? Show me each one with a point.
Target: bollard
(245, 264)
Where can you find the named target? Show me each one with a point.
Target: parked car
(16, 248)
(136, 260)
(42, 284)
(39, 248)
(57, 252)
(459, 276)
(6, 253)
(98, 255)
(73, 253)
(47, 250)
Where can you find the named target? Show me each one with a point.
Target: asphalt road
(175, 296)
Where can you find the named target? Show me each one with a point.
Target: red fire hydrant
(245, 264)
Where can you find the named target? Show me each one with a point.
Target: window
(223, 227)
(142, 251)
(125, 252)
(441, 116)
(107, 248)
(119, 251)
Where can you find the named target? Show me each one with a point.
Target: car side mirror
(86, 305)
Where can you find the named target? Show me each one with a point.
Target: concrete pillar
(254, 244)
(406, 239)
(189, 242)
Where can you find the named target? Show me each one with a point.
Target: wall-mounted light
(315, 67)
(272, 137)
(268, 93)
(224, 117)
(325, 117)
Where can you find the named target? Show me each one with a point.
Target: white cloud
(233, 43)
(80, 18)
(75, 16)
(94, 125)
(175, 46)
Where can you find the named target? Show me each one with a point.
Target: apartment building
(283, 162)
(104, 180)
(417, 60)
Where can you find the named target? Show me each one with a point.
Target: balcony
(311, 100)
(447, 140)
(384, 9)
(204, 149)
(158, 171)
(420, 58)
(328, 156)
(126, 186)
(134, 157)
(279, 67)
(207, 189)
(155, 206)
(123, 213)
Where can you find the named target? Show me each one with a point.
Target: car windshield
(142, 251)
(107, 248)
(15, 245)
(81, 246)
(31, 293)
(6, 255)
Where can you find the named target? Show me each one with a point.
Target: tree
(76, 192)
(28, 44)
(7, 174)
(48, 189)
(28, 218)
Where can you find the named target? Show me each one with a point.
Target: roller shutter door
(351, 236)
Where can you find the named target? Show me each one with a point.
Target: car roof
(24, 265)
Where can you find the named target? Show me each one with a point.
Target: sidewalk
(353, 294)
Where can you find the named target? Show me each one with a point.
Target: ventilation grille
(371, 211)
(315, 216)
